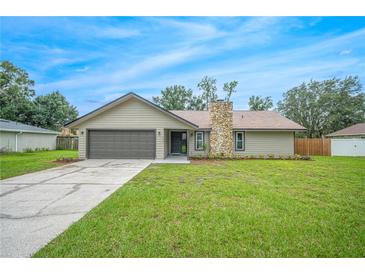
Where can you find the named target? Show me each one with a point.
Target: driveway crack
(75, 188)
(41, 182)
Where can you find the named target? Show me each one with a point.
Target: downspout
(16, 140)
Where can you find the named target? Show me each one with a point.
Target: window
(240, 140)
(199, 140)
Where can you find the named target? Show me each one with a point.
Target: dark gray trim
(113, 129)
(195, 143)
(187, 140)
(142, 99)
(243, 143)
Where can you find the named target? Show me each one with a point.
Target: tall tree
(16, 93)
(174, 98)
(208, 87)
(230, 88)
(260, 103)
(52, 111)
(325, 106)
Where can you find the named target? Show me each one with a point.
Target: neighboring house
(133, 127)
(355, 131)
(16, 136)
(349, 141)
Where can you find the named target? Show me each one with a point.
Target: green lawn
(14, 164)
(252, 208)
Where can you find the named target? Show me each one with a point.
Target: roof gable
(123, 99)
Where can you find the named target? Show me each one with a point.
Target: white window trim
(243, 141)
(196, 140)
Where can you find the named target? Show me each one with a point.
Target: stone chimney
(221, 117)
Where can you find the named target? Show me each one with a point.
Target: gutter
(16, 140)
(30, 131)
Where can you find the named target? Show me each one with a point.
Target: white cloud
(114, 32)
(197, 30)
(345, 52)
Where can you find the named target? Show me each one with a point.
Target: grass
(255, 208)
(14, 164)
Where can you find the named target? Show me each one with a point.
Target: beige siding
(160, 143)
(256, 143)
(82, 143)
(191, 143)
(132, 114)
(166, 142)
(268, 142)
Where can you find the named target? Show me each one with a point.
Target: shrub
(41, 149)
(297, 157)
(271, 156)
(28, 150)
(205, 146)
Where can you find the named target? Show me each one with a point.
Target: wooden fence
(315, 146)
(67, 142)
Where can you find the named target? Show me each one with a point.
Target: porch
(173, 159)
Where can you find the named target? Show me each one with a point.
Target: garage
(121, 144)
(348, 147)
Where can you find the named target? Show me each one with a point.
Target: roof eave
(339, 135)
(29, 131)
(272, 129)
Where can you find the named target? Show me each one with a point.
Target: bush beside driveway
(256, 208)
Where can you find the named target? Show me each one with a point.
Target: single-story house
(133, 127)
(16, 136)
(349, 141)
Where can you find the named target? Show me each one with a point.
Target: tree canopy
(18, 101)
(53, 111)
(260, 103)
(174, 97)
(208, 87)
(178, 97)
(325, 106)
(16, 93)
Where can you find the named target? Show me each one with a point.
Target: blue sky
(92, 60)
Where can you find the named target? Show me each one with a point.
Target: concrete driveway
(36, 207)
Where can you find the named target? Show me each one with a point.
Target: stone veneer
(221, 136)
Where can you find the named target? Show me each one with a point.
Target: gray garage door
(121, 144)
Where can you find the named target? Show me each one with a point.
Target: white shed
(349, 141)
(18, 137)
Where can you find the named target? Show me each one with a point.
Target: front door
(178, 142)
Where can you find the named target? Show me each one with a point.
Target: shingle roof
(260, 120)
(6, 125)
(358, 129)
